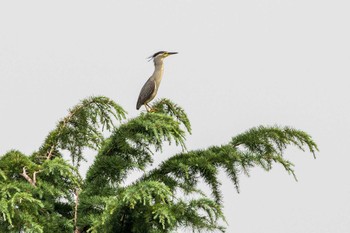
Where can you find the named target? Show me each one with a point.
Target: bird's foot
(152, 110)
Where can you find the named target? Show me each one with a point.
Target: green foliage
(38, 191)
(130, 146)
(19, 209)
(262, 146)
(167, 107)
(146, 198)
(80, 129)
(265, 145)
(45, 193)
(150, 206)
(13, 162)
(41, 207)
(273, 140)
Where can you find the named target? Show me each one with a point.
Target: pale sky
(241, 63)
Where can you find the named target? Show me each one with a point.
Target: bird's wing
(146, 93)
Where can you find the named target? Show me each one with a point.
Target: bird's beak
(171, 53)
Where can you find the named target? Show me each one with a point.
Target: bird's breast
(158, 77)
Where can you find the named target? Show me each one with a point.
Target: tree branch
(49, 154)
(27, 177)
(64, 123)
(34, 175)
(77, 230)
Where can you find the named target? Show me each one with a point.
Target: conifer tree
(45, 193)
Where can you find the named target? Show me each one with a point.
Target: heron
(150, 88)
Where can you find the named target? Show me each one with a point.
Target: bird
(150, 88)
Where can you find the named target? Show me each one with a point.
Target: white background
(241, 63)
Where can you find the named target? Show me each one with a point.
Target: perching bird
(149, 90)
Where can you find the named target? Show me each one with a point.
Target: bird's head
(161, 55)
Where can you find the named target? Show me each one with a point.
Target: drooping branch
(63, 124)
(131, 147)
(261, 146)
(82, 128)
(167, 107)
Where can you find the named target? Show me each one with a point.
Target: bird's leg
(150, 109)
(146, 107)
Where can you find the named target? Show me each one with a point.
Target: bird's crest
(150, 58)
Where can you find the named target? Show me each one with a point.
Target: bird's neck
(158, 63)
(158, 71)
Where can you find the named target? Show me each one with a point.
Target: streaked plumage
(150, 88)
